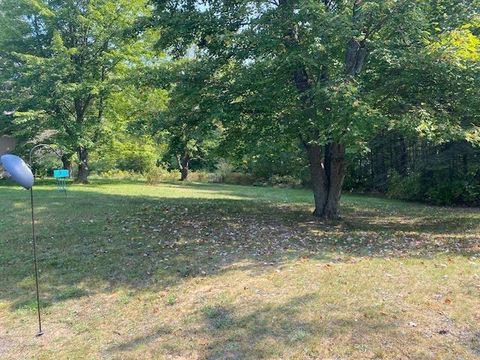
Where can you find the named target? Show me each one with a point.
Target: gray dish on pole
(18, 170)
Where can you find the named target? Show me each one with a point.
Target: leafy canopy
(60, 60)
(283, 67)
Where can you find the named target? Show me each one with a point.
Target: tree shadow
(140, 340)
(230, 333)
(110, 241)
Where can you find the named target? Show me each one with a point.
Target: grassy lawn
(197, 271)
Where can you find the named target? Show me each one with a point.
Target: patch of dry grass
(199, 271)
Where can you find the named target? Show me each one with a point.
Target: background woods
(369, 96)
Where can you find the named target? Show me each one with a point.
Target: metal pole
(34, 240)
(40, 332)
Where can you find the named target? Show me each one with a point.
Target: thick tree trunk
(66, 162)
(184, 163)
(318, 178)
(335, 158)
(184, 173)
(82, 175)
(327, 169)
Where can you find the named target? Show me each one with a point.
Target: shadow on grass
(109, 241)
(229, 333)
(141, 340)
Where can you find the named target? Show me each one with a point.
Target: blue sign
(59, 174)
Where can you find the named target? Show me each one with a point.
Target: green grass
(201, 271)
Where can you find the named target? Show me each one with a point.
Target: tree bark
(184, 163)
(403, 156)
(318, 178)
(82, 175)
(327, 169)
(66, 162)
(335, 158)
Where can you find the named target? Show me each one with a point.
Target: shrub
(285, 181)
(130, 154)
(434, 189)
(446, 193)
(465, 192)
(223, 169)
(471, 195)
(136, 162)
(158, 174)
(120, 174)
(405, 188)
(215, 178)
(237, 178)
(198, 176)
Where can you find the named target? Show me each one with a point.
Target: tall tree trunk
(403, 156)
(184, 163)
(82, 175)
(327, 169)
(380, 179)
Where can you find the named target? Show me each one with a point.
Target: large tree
(189, 121)
(311, 71)
(60, 60)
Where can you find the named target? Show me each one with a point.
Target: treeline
(416, 170)
(406, 169)
(375, 95)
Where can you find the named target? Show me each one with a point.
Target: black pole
(34, 240)
(40, 332)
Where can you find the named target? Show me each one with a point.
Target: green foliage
(188, 122)
(254, 62)
(405, 188)
(158, 175)
(60, 63)
(171, 299)
(224, 168)
(136, 161)
(135, 155)
(127, 144)
(411, 168)
(286, 74)
(446, 193)
(238, 178)
(244, 87)
(284, 164)
(119, 175)
(436, 190)
(285, 181)
(45, 164)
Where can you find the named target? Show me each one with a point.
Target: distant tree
(190, 119)
(128, 142)
(322, 73)
(60, 61)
